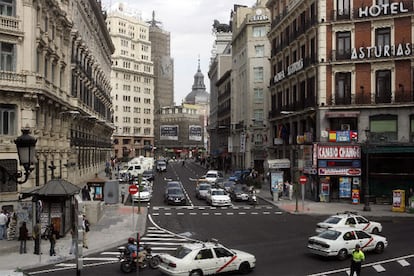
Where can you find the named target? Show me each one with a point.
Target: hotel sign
(293, 68)
(382, 9)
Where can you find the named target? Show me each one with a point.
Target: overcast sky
(190, 25)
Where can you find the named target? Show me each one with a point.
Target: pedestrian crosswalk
(214, 211)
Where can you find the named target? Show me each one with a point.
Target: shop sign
(340, 171)
(398, 50)
(382, 9)
(339, 152)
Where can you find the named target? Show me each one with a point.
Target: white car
(218, 197)
(213, 176)
(144, 194)
(340, 242)
(205, 259)
(349, 219)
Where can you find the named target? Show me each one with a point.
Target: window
(343, 88)
(222, 252)
(6, 7)
(382, 37)
(259, 49)
(343, 7)
(343, 45)
(349, 236)
(7, 119)
(258, 95)
(204, 254)
(383, 128)
(382, 2)
(258, 73)
(383, 86)
(259, 31)
(7, 56)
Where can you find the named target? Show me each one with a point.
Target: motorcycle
(253, 198)
(129, 263)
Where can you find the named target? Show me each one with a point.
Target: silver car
(202, 190)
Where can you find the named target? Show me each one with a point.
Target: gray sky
(190, 25)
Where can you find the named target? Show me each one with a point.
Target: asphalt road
(277, 239)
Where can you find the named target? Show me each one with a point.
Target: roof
(54, 187)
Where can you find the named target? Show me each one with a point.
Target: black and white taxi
(349, 219)
(340, 242)
(205, 258)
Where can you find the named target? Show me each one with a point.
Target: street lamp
(25, 145)
(366, 190)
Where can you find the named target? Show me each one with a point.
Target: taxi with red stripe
(340, 242)
(205, 258)
(349, 219)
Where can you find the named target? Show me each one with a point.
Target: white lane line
(167, 214)
(379, 268)
(278, 213)
(205, 214)
(266, 213)
(229, 213)
(403, 262)
(65, 265)
(100, 259)
(217, 214)
(161, 234)
(155, 214)
(193, 214)
(242, 213)
(161, 239)
(180, 214)
(109, 253)
(254, 213)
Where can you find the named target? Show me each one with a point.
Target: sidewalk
(329, 208)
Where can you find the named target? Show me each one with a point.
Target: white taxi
(218, 197)
(205, 259)
(340, 242)
(349, 219)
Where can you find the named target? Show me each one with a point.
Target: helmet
(131, 240)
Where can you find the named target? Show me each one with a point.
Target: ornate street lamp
(366, 190)
(25, 145)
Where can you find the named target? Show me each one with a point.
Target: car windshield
(332, 220)
(218, 192)
(175, 191)
(204, 187)
(330, 234)
(211, 175)
(181, 252)
(173, 184)
(145, 189)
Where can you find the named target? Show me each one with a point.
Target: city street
(277, 239)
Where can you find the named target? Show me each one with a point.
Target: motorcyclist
(132, 249)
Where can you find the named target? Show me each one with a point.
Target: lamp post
(366, 186)
(25, 145)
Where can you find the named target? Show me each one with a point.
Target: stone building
(54, 79)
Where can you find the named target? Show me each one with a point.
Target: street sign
(133, 189)
(303, 179)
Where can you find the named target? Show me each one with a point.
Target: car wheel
(196, 273)
(379, 248)
(342, 254)
(244, 268)
(375, 231)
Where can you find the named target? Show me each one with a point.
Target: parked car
(144, 194)
(161, 166)
(340, 242)
(205, 259)
(202, 190)
(239, 192)
(239, 176)
(148, 175)
(218, 197)
(349, 219)
(213, 175)
(175, 196)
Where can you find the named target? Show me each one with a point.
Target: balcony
(10, 25)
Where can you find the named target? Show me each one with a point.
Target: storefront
(339, 171)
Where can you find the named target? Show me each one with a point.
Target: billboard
(194, 133)
(169, 132)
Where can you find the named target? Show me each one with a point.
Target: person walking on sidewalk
(52, 235)
(122, 194)
(357, 258)
(85, 226)
(23, 236)
(36, 238)
(3, 223)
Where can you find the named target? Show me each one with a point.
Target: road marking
(403, 262)
(379, 268)
(110, 253)
(65, 265)
(266, 213)
(217, 214)
(205, 214)
(155, 214)
(278, 213)
(229, 213)
(167, 214)
(242, 213)
(180, 214)
(193, 214)
(254, 213)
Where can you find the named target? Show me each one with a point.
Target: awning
(342, 114)
(54, 187)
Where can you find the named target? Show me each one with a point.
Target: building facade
(54, 79)
(132, 79)
(342, 100)
(249, 88)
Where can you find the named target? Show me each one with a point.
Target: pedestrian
(85, 226)
(357, 258)
(36, 238)
(23, 236)
(52, 235)
(3, 223)
(122, 194)
(74, 240)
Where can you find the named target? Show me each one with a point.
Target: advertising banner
(169, 132)
(194, 133)
(276, 181)
(345, 187)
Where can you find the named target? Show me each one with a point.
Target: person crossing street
(357, 258)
